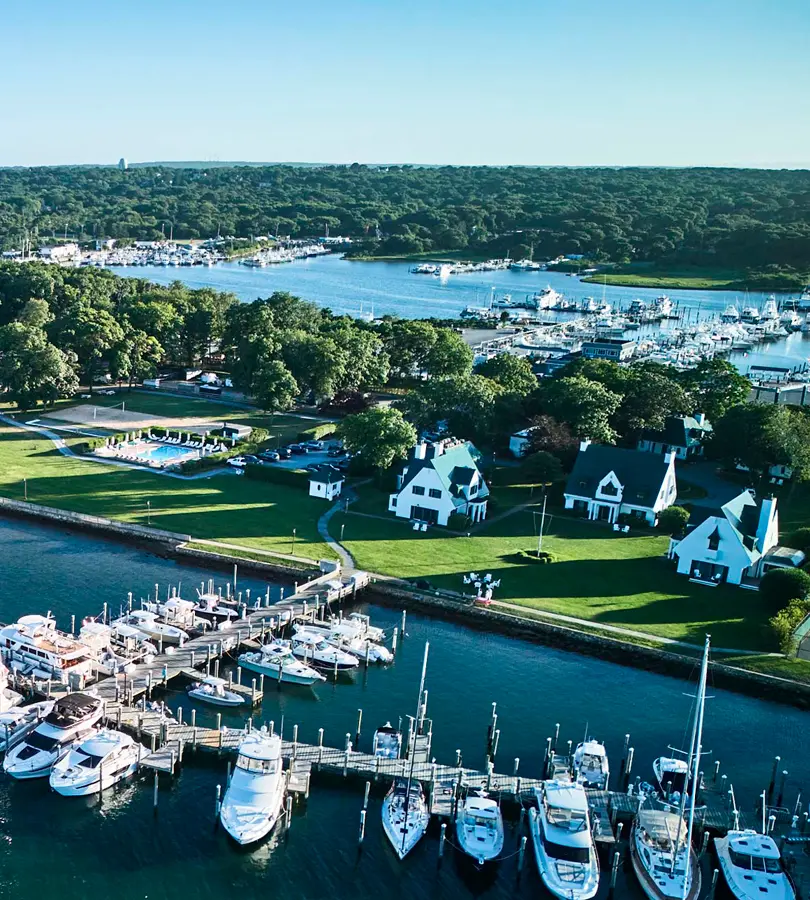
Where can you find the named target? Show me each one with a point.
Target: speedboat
(34, 647)
(563, 844)
(214, 690)
(361, 624)
(355, 644)
(15, 723)
(253, 801)
(315, 651)
(672, 777)
(405, 815)
(211, 608)
(387, 742)
(278, 657)
(72, 719)
(664, 862)
(147, 623)
(591, 767)
(174, 611)
(479, 827)
(752, 866)
(98, 762)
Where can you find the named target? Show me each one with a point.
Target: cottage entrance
(424, 514)
(604, 513)
(708, 573)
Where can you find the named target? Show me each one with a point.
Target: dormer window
(609, 488)
(714, 540)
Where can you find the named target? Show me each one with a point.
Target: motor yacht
(277, 660)
(791, 320)
(35, 648)
(253, 801)
(770, 310)
(405, 815)
(111, 656)
(360, 625)
(591, 768)
(346, 639)
(147, 623)
(731, 315)
(72, 719)
(479, 827)
(752, 866)
(750, 315)
(387, 742)
(96, 763)
(315, 651)
(215, 690)
(18, 721)
(563, 843)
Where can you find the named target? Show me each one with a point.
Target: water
(389, 288)
(162, 453)
(51, 847)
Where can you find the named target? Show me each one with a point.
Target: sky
(569, 82)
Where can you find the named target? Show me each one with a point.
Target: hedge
(532, 556)
(317, 432)
(277, 475)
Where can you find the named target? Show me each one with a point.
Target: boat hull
(272, 672)
(216, 701)
(651, 889)
(84, 789)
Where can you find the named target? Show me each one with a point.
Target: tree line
(744, 219)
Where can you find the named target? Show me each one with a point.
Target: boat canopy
(664, 828)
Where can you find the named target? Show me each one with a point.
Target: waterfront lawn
(685, 278)
(613, 579)
(223, 507)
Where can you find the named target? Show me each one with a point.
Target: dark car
(298, 449)
(313, 467)
(251, 459)
(269, 456)
(335, 452)
(314, 445)
(335, 446)
(284, 453)
(343, 465)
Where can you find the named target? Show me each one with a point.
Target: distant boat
(387, 742)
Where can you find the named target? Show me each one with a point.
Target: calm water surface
(389, 288)
(51, 847)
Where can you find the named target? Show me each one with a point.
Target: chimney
(583, 445)
(420, 450)
(700, 418)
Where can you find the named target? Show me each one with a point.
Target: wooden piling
(362, 833)
(218, 806)
(442, 839)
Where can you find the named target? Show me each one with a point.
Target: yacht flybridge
(563, 843)
(752, 866)
(479, 828)
(405, 815)
(35, 648)
(98, 762)
(148, 624)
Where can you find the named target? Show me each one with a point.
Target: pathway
(346, 559)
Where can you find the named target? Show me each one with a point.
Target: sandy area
(117, 420)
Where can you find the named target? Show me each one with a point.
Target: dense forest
(738, 218)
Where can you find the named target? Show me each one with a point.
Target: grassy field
(607, 578)
(694, 279)
(222, 507)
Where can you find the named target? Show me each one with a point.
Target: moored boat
(405, 815)
(591, 768)
(752, 866)
(148, 624)
(276, 660)
(315, 651)
(98, 762)
(479, 828)
(387, 742)
(215, 691)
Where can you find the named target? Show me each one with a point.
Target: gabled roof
(676, 431)
(641, 474)
(456, 467)
(743, 514)
(327, 476)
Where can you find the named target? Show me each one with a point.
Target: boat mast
(411, 746)
(704, 668)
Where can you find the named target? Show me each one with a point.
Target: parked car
(251, 459)
(336, 445)
(313, 467)
(269, 456)
(335, 452)
(284, 453)
(238, 462)
(299, 449)
(314, 445)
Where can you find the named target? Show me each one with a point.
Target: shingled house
(682, 435)
(608, 482)
(439, 479)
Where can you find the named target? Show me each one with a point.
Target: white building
(326, 484)
(440, 479)
(60, 253)
(608, 482)
(683, 435)
(736, 543)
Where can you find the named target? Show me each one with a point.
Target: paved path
(346, 559)
(705, 475)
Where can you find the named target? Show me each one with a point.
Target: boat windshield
(757, 863)
(591, 761)
(41, 741)
(569, 819)
(258, 766)
(90, 761)
(481, 822)
(565, 853)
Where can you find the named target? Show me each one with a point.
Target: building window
(714, 540)
(435, 493)
(473, 490)
(418, 490)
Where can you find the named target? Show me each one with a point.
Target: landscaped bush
(191, 466)
(524, 556)
(317, 432)
(458, 522)
(278, 475)
(800, 539)
(673, 519)
(780, 587)
(785, 623)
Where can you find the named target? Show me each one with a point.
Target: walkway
(346, 559)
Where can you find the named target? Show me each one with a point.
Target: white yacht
(210, 608)
(34, 647)
(96, 763)
(215, 690)
(360, 625)
(147, 623)
(405, 815)
(563, 844)
(791, 320)
(346, 639)
(591, 768)
(664, 306)
(72, 718)
(731, 315)
(770, 310)
(672, 777)
(637, 307)
(750, 315)
(277, 657)
(387, 742)
(18, 721)
(253, 801)
(479, 827)
(111, 655)
(314, 650)
(547, 298)
(752, 866)
(174, 611)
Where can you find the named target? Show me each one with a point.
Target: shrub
(531, 556)
(190, 466)
(800, 539)
(278, 475)
(673, 519)
(317, 432)
(458, 522)
(785, 623)
(780, 587)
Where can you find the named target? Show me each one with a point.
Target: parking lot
(302, 460)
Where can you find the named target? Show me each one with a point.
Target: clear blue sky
(571, 82)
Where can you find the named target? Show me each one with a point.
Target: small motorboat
(16, 723)
(591, 768)
(253, 801)
(314, 650)
(210, 608)
(278, 657)
(671, 777)
(479, 828)
(405, 815)
(387, 742)
(352, 643)
(96, 763)
(147, 623)
(752, 866)
(215, 690)
(72, 719)
(174, 611)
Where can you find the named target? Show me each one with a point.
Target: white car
(108, 393)
(238, 462)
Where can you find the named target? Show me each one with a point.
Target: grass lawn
(695, 279)
(223, 507)
(601, 576)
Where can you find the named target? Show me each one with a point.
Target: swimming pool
(164, 454)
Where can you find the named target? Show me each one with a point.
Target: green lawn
(223, 507)
(601, 576)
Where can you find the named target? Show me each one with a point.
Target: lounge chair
(416, 526)
(424, 526)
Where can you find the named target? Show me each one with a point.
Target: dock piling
(394, 641)
(716, 769)
(556, 736)
(516, 766)
(179, 715)
(320, 744)
(442, 839)
(362, 833)
(776, 761)
(359, 726)
(403, 624)
(495, 742)
(288, 818)
(614, 871)
(781, 787)
(713, 888)
(155, 793)
(522, 852)
(219, 803)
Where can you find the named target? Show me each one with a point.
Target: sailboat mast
(413, 742)
(704, 668)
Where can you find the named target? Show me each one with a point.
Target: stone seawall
(223, 561)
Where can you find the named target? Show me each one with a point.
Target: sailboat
(661, 850)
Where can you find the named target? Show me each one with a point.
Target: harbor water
(390, 288)
(52, 847)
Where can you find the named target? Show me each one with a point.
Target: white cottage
(326, 483)
(736, 543)
(439, 479)
(608, 482)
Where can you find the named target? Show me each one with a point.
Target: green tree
(715, 386)
(785, 623)
(449, 355)
(546, 433)
(587, 406)
(32, 370)
(380, 435)
(542, 468)
(317, 363)
(136, 357)
(466, 403)
(273, 387)
(408, 344)
(779, 587)
(673, 519)
(513, 373)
